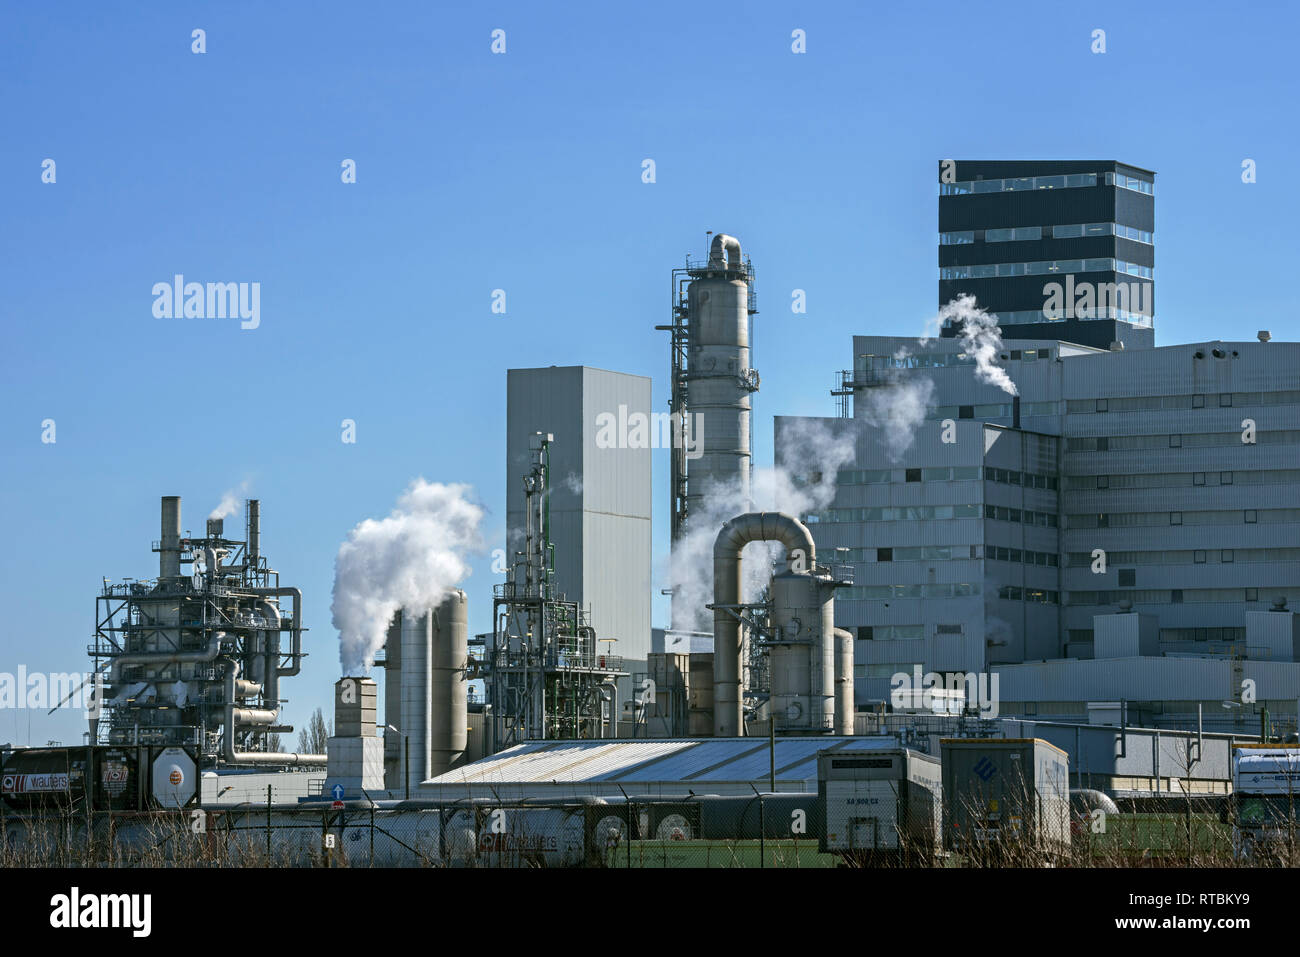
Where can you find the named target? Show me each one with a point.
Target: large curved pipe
(725, 252)
(258, 716)
(270, 668)
(801, 557)
(844, 700)
(296, 650)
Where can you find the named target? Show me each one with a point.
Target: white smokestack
(410, 561)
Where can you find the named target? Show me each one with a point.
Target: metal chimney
(169, 547)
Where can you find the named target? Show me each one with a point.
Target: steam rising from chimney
(981, 338)
(229, 502)
(410, 560)
(813, 455)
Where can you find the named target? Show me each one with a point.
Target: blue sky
(522, 172)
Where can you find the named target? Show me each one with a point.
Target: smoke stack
(254, 531)
(169, 547)
(1015, 411)
(216, 527)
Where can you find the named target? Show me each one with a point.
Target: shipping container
(880, 805)
(1005, 799)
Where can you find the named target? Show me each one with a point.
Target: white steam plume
(410, 560)
(804, 482)
(229, 502)
(981, 338)
(897, 409)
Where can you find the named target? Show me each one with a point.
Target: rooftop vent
(1264, 335)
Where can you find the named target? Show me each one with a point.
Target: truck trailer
(880, 806)
(1005, 800)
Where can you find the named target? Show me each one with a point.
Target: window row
(1016, 593)
(910, 553)
(1187, 556)
(993, 410)
(1067, 181)
(1023, 479)
(1021, 556)
(1228, 635)
(902, 513)
(1175, 596)
(891, 633)
(1125, 443)
(1049, 267)
(883, 592)
(1015, 317)
(1183, 479)
(938, 360)
(1151, 403)
(1247, 516)
(883, 476)
(966, 237)
(1000, 513)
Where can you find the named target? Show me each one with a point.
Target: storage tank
(432, 673)
(449, 728)
(802, 654)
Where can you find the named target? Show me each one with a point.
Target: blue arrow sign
(338, 792)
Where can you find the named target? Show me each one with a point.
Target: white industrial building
(1157, 481)
(600, 501)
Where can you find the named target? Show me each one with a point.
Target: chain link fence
(769, 830)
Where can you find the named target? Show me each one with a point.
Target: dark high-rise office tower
(1056, 249)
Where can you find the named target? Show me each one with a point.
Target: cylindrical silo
(449, 707)
(802, 654)
(844, 696)
(417, 691)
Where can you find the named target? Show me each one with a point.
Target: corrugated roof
(667, 760)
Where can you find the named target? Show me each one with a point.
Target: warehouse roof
(704, 765)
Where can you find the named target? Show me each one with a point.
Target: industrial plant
(1036, 570)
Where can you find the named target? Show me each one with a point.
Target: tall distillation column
(712, 386)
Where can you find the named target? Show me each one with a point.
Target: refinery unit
(747, 692)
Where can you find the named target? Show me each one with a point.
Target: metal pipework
(801, 556)
(255, 716)
(270, 651)
(296, 650)
(159, 659)
(844, 697)
(725, 252)
(169, 546)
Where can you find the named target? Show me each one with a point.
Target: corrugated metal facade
(653, 767)
(601, 497)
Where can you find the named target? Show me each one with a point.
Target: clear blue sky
(523, 172)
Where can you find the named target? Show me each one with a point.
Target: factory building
(599, 494)
(1160, 481)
